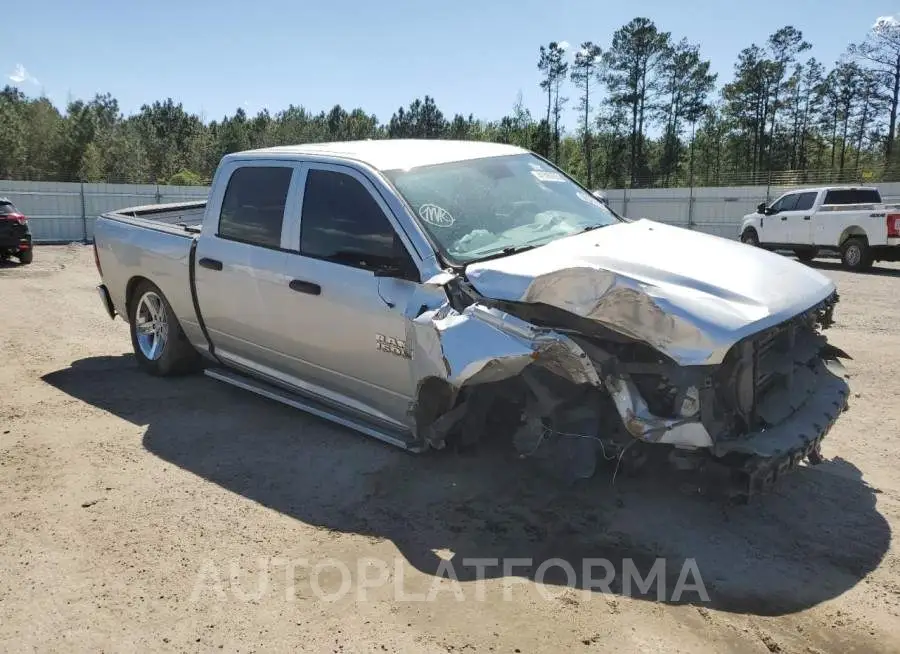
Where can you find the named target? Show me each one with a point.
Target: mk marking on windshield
(435, 215)
(392, 345)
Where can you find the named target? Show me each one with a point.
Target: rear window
(805, 201)
(253, 206)
(853, 196)
(7, 208)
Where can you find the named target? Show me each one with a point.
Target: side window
(342, 223)
(852, 196)
(868, 197)
(789, 202)
(253, 206)
(838, 197)
(805, 201)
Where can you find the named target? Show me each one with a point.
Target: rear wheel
(855, 254)
(750, 237)
(26, 256)
(160, 346)
(806, 254)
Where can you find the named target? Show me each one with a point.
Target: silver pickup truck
(429, 293)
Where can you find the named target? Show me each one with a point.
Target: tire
(855, 254)
(164, 350)
(25, 256)
(750, 237)
(806, 254)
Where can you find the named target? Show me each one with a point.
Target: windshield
(7, 208)
(491, 206)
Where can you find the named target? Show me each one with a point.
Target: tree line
(649, 113)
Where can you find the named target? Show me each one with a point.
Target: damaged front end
(573, 385)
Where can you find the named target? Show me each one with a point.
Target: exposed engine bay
(623, 376)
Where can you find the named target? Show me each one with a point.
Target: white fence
(63, 212)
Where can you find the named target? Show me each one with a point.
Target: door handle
(784, 217)
(805, 217)
(212, 264)
(305, 287)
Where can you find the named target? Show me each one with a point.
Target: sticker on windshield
(548, 176)
(585, 197)
(435, 215)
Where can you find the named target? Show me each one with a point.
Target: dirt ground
(147, 514)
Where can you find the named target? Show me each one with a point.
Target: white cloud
(563, 45)
(20, 75)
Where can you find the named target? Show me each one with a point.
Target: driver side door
(775, 223)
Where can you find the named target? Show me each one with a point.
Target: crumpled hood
(690, 295)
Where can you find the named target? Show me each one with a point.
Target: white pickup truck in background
(850, 220)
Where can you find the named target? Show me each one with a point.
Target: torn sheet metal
(477, 346)
(646, 281)
(482, 345)
(643, 425)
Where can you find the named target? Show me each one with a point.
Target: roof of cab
(391, 154)
(843, 187)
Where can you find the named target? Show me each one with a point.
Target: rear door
(342, 328)
(240, 266)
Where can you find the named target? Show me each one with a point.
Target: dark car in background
(15, 237)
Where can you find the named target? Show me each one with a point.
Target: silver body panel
(690, 295)
(366, 344)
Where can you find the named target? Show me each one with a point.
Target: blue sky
(470, 55)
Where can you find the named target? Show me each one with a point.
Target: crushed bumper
(766, 456)
(813, 416)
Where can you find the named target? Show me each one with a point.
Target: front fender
(749, 221)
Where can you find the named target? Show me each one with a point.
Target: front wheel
(750, 237)
(855, 254)
(160, 346)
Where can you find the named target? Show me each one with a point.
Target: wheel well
(129, 293)
(851, 232)
(749, 228)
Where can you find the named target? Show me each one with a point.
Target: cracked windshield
(499, 205)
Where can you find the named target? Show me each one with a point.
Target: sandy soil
(183, 515)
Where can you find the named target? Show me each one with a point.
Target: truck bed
(156, 242)
(183, 216)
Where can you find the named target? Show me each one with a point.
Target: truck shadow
(816, 536)
(875, 270)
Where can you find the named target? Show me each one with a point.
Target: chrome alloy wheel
(853, 255)
(151, 325)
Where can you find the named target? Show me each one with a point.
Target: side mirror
(389, 270)
(761, 207)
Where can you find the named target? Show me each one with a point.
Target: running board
(312, 406)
